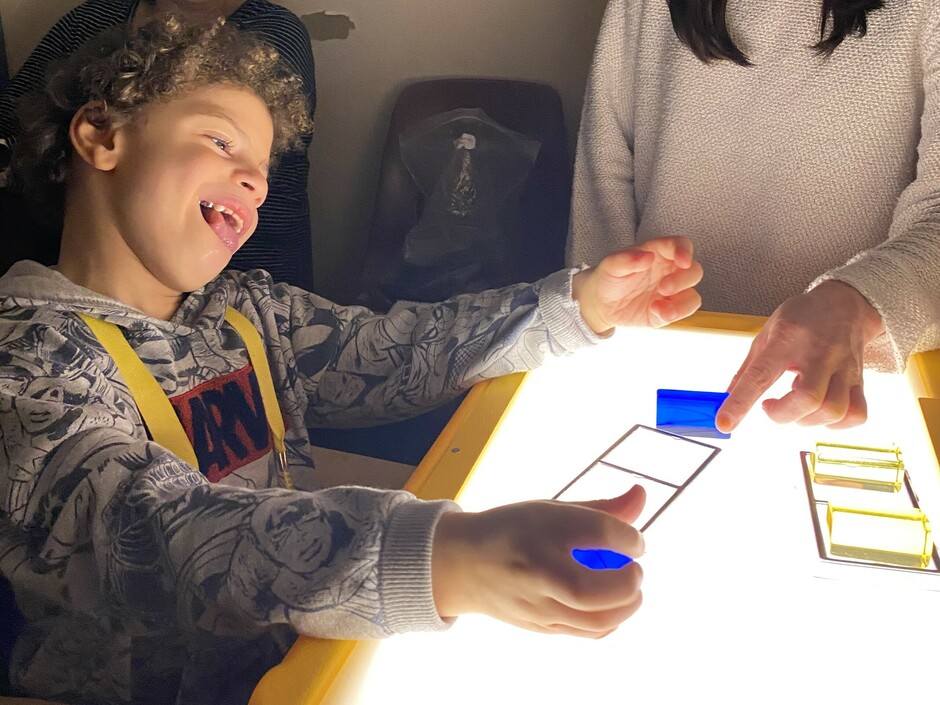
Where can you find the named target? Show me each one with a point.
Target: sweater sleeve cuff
(405, 567)
(562, 314)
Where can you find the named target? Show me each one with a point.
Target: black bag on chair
(470, 170)
(528, 207)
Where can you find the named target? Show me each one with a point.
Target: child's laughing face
(189, 181)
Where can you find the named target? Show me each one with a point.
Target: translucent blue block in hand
(600, 558)
(689, 413)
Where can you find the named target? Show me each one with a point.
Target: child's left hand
(647, 285)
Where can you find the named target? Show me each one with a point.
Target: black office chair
(23, 233)
(4, 69)
(532, 109)
(541, 220)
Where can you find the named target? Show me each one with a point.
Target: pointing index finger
(755, 377)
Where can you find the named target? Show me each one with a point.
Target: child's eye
(222, 144)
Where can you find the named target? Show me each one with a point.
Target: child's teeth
(227, 211)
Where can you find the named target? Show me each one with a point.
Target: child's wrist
(449, 561)
(579, 282)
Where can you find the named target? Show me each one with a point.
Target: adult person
(282, 244)
(796, 143)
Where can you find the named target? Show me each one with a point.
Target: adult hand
(514, 563)
(647, 285)
(821, 336)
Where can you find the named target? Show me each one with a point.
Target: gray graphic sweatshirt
(146, 580)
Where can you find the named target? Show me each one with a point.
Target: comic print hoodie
(143, 579)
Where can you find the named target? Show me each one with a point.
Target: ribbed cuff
(405, 567)
(562, 314)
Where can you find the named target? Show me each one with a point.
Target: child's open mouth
(226, 224)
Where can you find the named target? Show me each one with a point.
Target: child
(152, 538)
(282, 241)
(797, 144)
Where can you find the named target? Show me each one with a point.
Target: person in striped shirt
(282, 245)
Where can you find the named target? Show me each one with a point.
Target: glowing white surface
(732, 611)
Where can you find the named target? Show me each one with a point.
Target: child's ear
(95, 136)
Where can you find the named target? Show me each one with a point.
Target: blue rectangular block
(689, 413)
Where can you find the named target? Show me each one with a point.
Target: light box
(734, 609)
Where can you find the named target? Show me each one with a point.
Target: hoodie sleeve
(356, 367)
(97, 519)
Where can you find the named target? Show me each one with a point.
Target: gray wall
(392, 43)
(24, 23)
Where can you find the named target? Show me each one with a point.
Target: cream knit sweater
(793, 170)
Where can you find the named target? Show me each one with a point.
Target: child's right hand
(514, 563)
(650, 284)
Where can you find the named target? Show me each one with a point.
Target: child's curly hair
(128, 69)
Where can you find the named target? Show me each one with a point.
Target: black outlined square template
(663, 463)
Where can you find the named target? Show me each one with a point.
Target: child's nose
(254, 181)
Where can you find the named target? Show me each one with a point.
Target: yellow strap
(158, 413)
(259, 361)
(155, 407)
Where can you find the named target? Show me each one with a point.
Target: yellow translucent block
(859, 467)
(900, 538)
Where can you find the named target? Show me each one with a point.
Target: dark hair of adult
(701, 25)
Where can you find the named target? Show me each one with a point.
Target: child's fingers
(587, 590)
(681, 279)
(625, 262)
(677, 307)
(560, 618)
(676, 248)
(560, 629)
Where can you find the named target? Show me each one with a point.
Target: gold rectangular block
(859, 467)
(898, 538)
